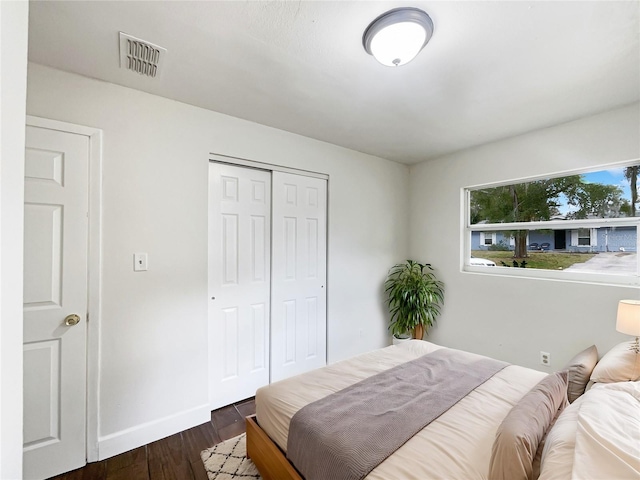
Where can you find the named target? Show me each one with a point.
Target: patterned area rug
(228, 460)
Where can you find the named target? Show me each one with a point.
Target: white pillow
(620, 364)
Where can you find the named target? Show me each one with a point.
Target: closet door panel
(299, 259)
(239, 282)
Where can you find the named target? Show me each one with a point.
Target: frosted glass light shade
(628, 320)
(396, 37)
(398, 44)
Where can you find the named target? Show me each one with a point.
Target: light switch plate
(140, 262)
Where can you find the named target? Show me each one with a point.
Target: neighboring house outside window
(484, 240)
(603, 239)
(593, 214)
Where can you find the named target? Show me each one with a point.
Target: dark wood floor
(173, 458)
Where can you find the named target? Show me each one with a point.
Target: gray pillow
(580, 368)
(523, 429)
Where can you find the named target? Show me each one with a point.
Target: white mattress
(457, 445)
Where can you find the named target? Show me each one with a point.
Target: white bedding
(457, 445)
(596, 437)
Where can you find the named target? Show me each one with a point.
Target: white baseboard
(134, 437)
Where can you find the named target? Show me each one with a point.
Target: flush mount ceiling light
(397, 36)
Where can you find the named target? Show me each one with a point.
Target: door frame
(94, 270)
(270, 167)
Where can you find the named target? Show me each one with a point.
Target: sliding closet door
(239, 282)
(299, 275)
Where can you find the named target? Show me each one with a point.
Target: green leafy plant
(415, 296)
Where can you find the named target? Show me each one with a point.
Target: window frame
(467, 229)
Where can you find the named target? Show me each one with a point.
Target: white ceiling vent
(141, 56)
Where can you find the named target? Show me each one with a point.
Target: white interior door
(55, 286)
(299, 300)
(239, 281)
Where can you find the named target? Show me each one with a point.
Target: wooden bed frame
(267, 456)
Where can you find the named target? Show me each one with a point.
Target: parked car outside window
(481, 262)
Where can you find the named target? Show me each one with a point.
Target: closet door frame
(243, 162)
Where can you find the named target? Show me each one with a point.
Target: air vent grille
(140, 56)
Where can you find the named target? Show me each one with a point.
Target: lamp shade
(397, 36)
(628, 321)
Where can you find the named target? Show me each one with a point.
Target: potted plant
(414, 297)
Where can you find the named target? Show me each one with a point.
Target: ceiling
(492, 69)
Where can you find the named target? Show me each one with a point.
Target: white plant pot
(398, 341)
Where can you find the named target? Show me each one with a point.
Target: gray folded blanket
(347, 434)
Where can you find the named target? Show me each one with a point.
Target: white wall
(506, 317)
(13, 89)
(153, 351)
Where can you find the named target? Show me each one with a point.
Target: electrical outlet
(545, 358)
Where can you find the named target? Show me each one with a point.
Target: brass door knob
(71, 320)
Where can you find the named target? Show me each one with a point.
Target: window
(584, 236)
(488, 238)
(580, 227)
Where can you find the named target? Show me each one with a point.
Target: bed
(455, 445)
(461, 443)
